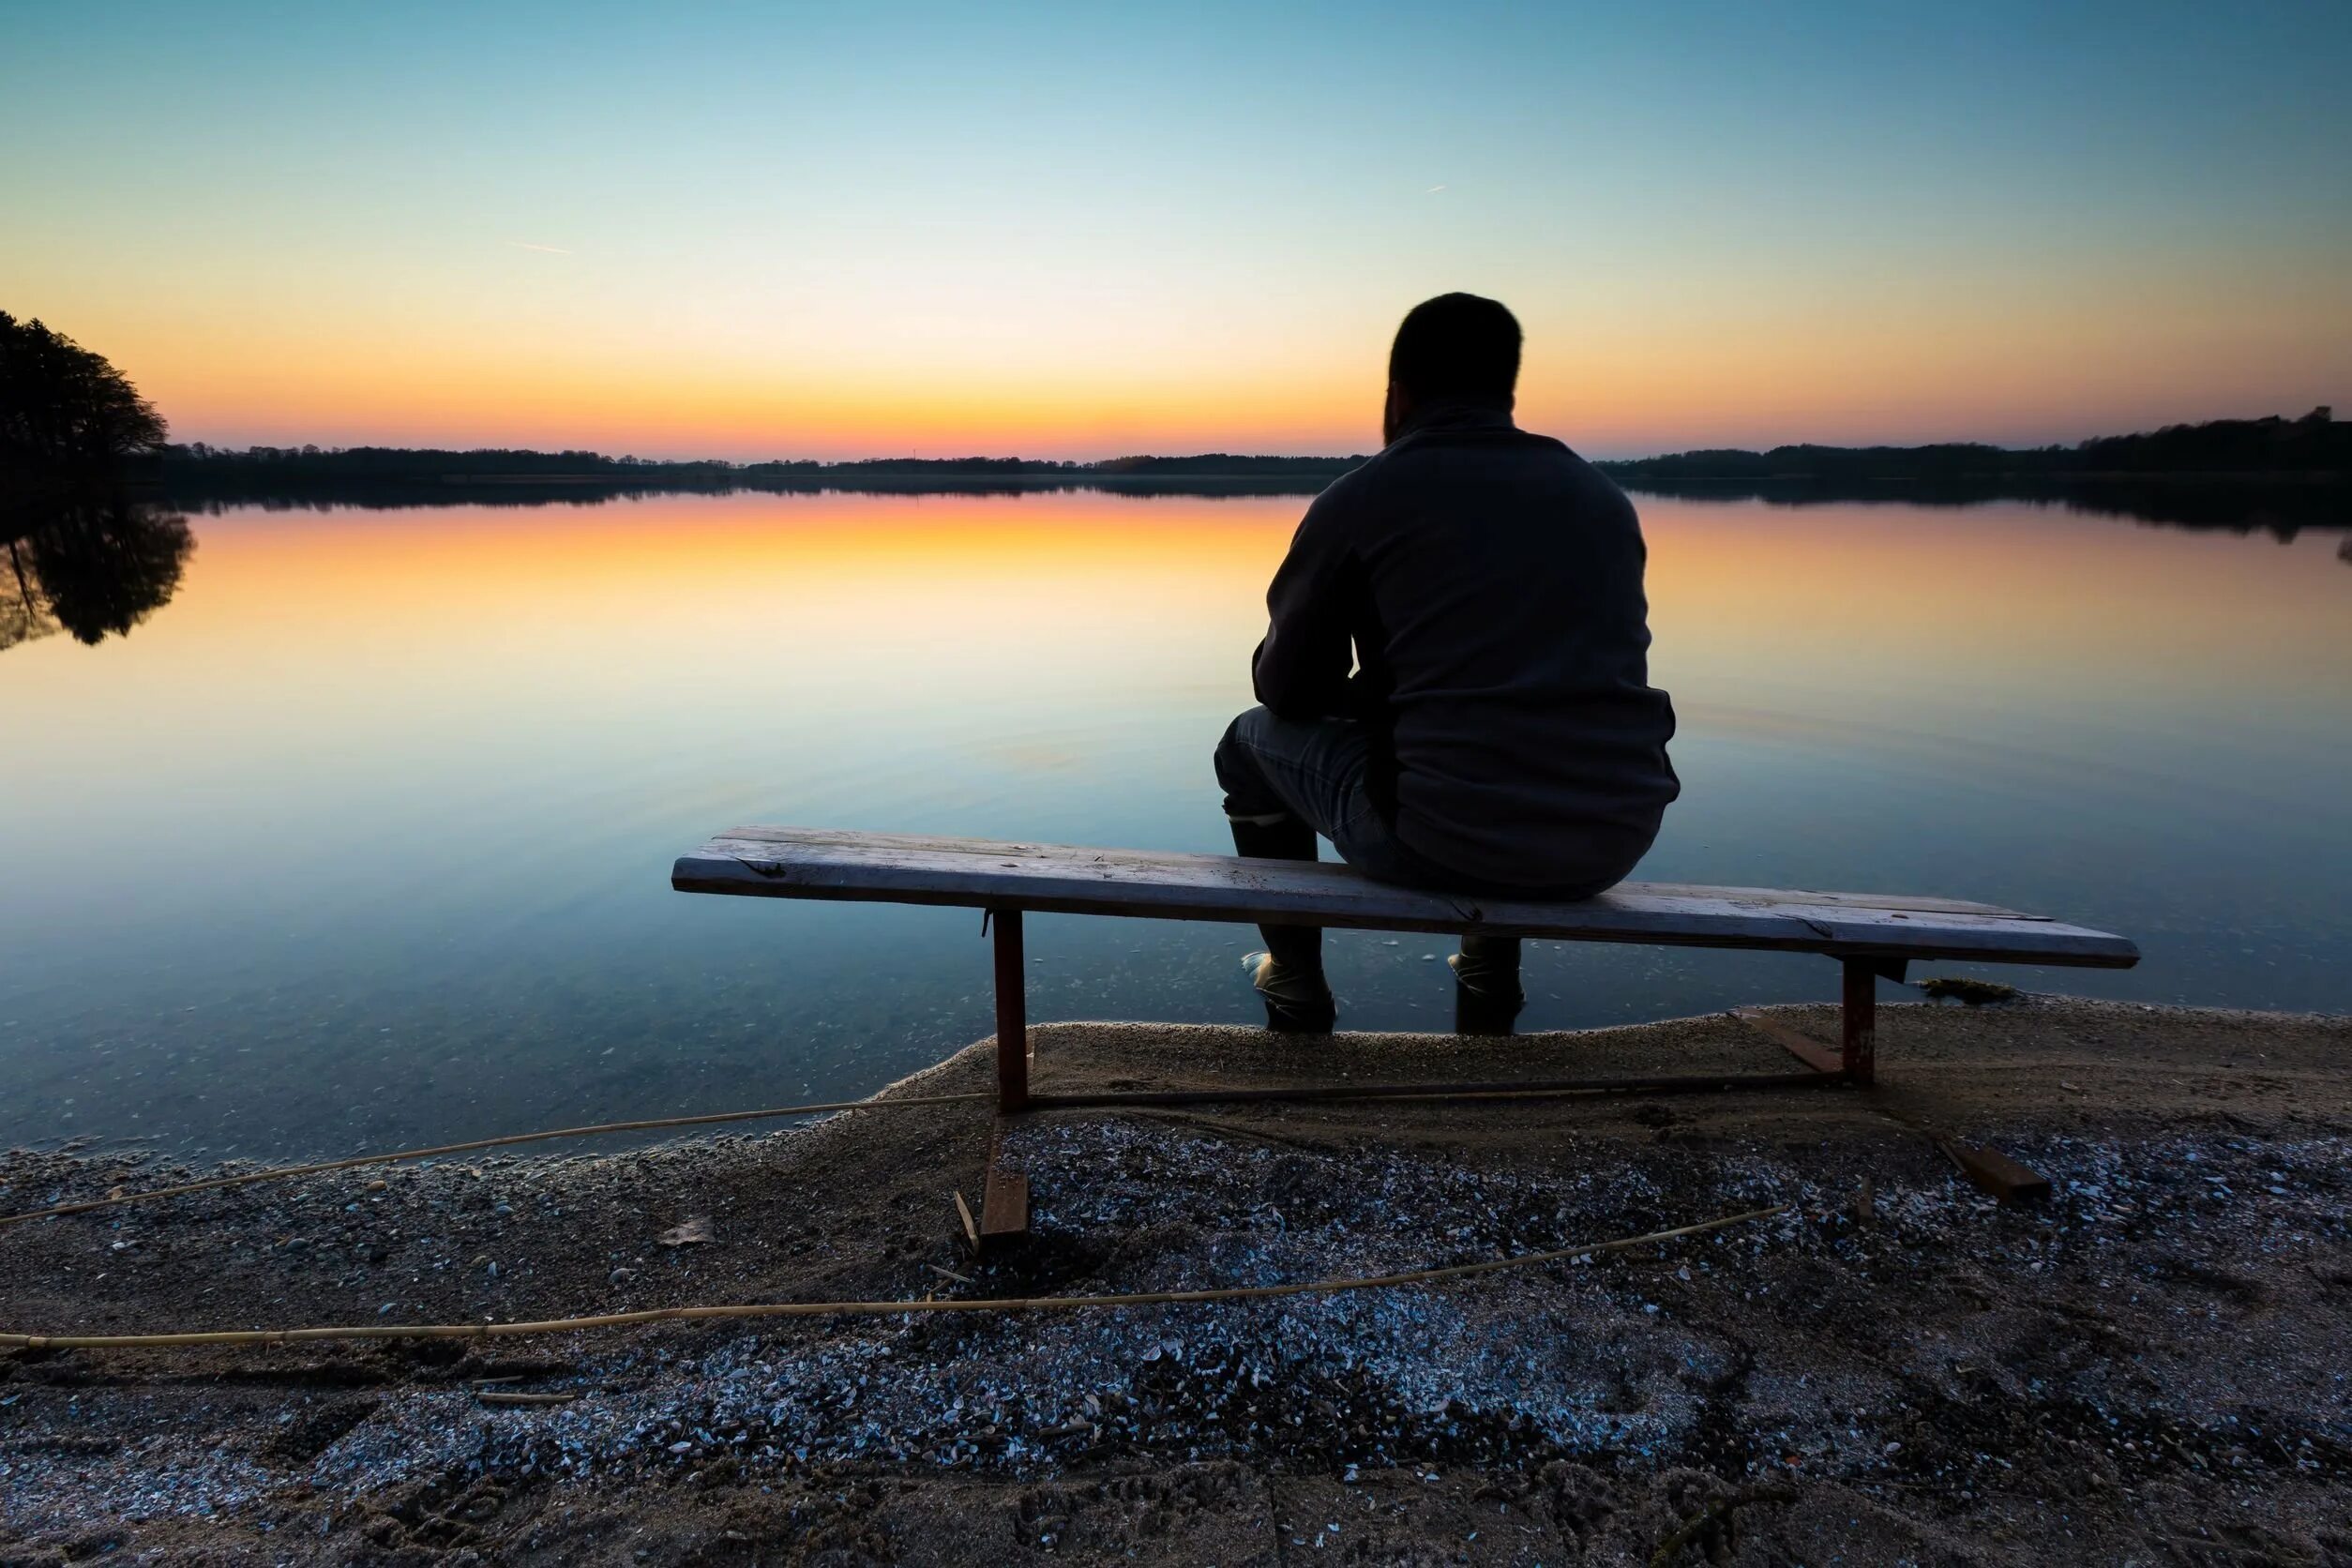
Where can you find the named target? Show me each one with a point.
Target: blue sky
(1065, 229)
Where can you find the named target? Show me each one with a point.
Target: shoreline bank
(2149, 1355)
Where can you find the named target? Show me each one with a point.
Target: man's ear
(1395, 412)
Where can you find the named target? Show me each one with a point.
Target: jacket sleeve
(1300, 670)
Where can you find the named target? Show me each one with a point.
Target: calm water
(365, 837)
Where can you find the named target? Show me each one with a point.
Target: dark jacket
(1489, 581)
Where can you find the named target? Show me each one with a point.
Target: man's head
(1455, 347)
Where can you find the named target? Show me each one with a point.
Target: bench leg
(1012, 1015)
(1005, 1195)
(1859, 1047)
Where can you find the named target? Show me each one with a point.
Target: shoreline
(2147, 1355)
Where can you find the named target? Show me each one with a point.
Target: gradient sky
(770, 230)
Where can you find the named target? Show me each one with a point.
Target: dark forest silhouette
(79, 553)
(66, 415)
(2317, 446)
(2271, 475)
(197, 469)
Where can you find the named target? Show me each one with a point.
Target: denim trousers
(1315, 771)
(1287, 780)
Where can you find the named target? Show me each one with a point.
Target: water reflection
(366, 841)
(2283, 508)
(87, 564)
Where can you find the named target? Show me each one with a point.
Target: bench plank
(992, 849)
(816, 863)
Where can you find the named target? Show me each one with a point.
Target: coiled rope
(287, 1172)
(862, 1309)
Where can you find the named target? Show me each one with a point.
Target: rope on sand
(281, 1173)
(860, 1309)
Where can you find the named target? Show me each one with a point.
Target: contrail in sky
(551, 249)
(1433, 190)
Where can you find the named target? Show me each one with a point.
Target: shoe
(1295, 1004)
(1487, 1001)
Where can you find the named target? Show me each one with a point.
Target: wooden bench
(1868, 934)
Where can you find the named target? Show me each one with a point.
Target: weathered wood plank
(1796, 1042)
(1995, 1172)
(998, 850)
(790, 863)
(1004, 1206)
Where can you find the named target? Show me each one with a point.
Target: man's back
(1490, 581)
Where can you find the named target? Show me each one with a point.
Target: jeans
(1313, 771)
(1287, 780)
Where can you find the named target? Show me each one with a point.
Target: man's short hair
(1457, 345)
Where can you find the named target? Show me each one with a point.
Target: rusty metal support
(1012, 1016)
(1005, 1195)
(1859, 1015)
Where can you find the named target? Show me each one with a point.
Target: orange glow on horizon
(1610, 382)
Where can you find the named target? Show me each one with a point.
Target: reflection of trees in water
(87, 566)
(2281, 508)
(212, 493)
(77, 554)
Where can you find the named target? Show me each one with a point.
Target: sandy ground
(2153, 1367)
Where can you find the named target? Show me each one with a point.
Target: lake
(364, 838)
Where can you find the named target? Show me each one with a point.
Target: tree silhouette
(77, 554)
(64, 413)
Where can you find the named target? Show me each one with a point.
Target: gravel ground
(2150, 1366)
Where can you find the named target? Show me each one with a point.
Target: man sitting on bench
(1498, 733)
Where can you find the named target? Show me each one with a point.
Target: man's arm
(1301, 669)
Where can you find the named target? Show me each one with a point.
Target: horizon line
(1093, 464)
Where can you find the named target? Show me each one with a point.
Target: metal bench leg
(1012, 1015)
(1859, 1047)
(1005, 1195)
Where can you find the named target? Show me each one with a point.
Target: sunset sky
(845, 231)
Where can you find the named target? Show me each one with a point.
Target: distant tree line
(440, 465)
(2316, 446)
(1226, 463)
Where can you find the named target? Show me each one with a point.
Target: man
(1498, 734)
